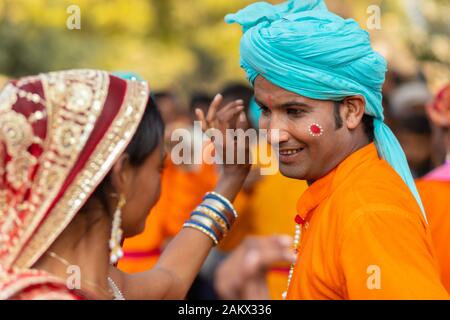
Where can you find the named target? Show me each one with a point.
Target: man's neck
(353, 147)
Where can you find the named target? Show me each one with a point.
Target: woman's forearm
(182, 259)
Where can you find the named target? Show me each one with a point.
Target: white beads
(115, 289)
(298, 233)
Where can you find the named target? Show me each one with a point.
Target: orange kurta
(364, 237)
(436, 200)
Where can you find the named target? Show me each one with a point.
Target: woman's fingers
(201, 117)
(241, 122)
(230, 111)
(213, 107)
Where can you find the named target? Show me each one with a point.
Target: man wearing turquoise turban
(361, 230)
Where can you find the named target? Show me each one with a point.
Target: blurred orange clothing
(436, 200)
(181, 192)
(364, 236)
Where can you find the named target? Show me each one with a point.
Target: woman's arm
(182, 259)
(180, 262)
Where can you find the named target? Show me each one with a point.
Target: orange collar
(323, 187)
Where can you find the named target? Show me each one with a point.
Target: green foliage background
(185, 44)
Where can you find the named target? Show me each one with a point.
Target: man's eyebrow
(288, 104)
(294, 103)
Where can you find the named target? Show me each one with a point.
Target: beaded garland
(299, 222)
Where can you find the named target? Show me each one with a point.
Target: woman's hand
(230, 122)
(226, 126)
(242, 275)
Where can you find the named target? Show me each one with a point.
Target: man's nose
(276, 134)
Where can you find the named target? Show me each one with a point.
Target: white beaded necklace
(115, 289)
(298, 234)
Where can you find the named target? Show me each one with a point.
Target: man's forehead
(273, 96)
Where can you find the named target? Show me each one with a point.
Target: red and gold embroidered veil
(60, 134)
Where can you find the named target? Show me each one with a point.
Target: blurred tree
(186, 44)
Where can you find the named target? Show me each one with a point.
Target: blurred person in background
(199, 100)
(168, 105)
(411, 125)
(392, 80)
(434, 188)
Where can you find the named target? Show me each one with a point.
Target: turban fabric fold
(302, 47)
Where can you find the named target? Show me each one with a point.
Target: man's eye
(294, 112)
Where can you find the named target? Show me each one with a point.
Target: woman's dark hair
(146, 139)
(148, 136)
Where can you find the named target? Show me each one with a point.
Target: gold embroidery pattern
(73, 102)
(105, 154)
(16, 135)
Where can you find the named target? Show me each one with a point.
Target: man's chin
(290, 171)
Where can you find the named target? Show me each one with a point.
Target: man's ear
(121, 174)
(354, 107)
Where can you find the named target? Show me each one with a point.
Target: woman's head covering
(300, 46)
(60, 134)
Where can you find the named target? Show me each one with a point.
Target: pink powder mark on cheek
(315, 130)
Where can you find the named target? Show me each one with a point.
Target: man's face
(301, 155)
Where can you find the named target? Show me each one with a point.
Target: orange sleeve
(386, 254)
(436, 200)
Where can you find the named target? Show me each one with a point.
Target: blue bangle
(220, 214)
(198, 213)
(213, 196)
(216, 238)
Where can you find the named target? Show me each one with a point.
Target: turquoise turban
(301, 47)
(127, 75)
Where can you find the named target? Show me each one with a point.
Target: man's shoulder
(374, 189)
